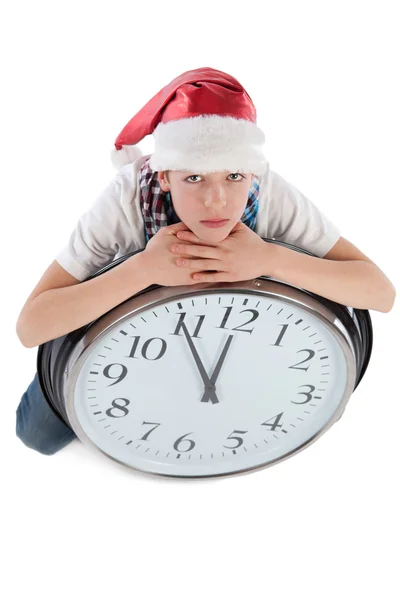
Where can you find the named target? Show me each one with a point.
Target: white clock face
(140, 396)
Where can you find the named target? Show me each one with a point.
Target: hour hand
(209, 386)
(218, 366)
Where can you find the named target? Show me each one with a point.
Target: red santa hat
(203, 121)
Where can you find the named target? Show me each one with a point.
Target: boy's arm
(57, 312)
(356, 283)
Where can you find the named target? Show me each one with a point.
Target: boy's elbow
(392, 297)
(21, 334)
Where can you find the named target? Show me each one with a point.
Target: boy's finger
(173, 229)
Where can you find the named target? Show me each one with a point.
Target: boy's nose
(215, 197)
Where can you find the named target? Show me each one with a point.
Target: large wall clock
(212, 379)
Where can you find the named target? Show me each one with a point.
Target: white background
(324, 79)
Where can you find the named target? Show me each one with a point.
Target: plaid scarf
(157, 208)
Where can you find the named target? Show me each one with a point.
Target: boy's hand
(240, 256)
(161, 262)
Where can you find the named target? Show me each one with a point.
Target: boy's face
(197, 197)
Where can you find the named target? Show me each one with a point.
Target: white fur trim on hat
(126, 155)
(209, 143)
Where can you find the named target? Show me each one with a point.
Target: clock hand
(218, 366)
(209, 386)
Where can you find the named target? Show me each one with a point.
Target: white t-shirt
(113, 225)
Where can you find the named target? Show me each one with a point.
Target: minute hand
(209, 391)
(218, 366)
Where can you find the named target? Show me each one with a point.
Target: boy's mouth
(214, 222)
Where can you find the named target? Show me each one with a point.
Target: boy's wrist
(142, 268)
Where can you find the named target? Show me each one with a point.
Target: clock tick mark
(306, 327)
(312, 335)
(93, 372)
(180, 305)
(123, 332)
(143, 319)
(299, 321)
(166, 308)
(98, 412)
(114, 340)
(134, 326)
(155, 314)
(102, 355)
(290, 316)
(323, 357)
(127, 443)
(245, 301)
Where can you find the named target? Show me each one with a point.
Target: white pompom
(126, 155)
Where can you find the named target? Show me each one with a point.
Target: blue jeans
(37, 425)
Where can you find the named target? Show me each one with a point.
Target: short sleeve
(98, 235)
(294, 219)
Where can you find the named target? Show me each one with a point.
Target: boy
(204, 124)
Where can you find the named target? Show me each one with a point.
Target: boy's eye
(190, 176)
